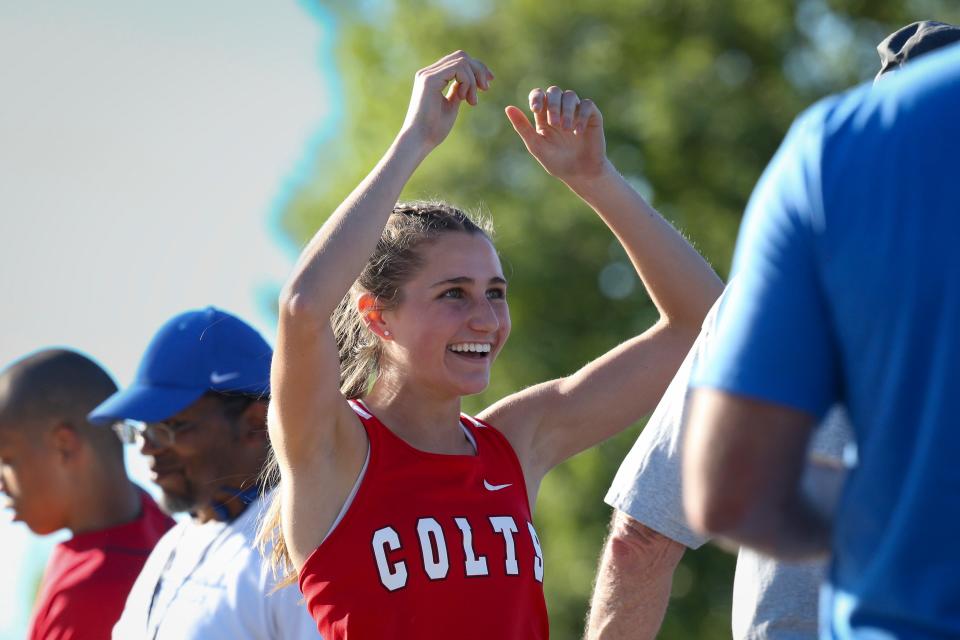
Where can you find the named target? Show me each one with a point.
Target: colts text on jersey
(392, 553)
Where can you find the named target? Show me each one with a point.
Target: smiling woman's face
(452, 319)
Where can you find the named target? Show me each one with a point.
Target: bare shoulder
(307, 432)
(338, 438)
(518, 417)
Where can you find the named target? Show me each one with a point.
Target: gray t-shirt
(771, 600)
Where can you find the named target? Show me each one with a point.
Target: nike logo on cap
(495, 487)
(220, 378)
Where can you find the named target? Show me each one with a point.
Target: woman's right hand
(434, 105)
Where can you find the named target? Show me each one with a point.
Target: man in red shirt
(57, 471)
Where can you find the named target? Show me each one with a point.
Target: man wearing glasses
(197, 409)
(57, 471)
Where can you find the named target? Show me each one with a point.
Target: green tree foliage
(696, 96)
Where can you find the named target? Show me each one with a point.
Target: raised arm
(318, 445)
(554, 420)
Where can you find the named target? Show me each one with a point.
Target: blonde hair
(393, 263)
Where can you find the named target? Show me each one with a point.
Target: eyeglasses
(159, 434)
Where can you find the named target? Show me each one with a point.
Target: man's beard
(179, 503)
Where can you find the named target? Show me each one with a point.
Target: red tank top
(432, 546)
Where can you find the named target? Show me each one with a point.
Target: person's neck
(105, 498)
(226, 502)
(425, 422)
(204, 514)
(229, 502)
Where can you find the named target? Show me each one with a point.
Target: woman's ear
(372, 315)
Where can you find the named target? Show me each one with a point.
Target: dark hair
(233, 404)
(61, 384)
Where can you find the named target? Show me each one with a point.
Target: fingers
(521, 125)
(554, 103)
(465, 76)
(561, 109)
(482, 74)
(588, 116)
(471, 76)
(538, 103)
(461, 82)
(569, 101)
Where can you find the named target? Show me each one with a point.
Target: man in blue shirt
(847, 290)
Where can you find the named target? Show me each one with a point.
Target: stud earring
(386, 333)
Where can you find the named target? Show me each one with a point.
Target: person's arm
(319, 447)
(633, 583)
(552, 421)
(742, 466)
(775, 369)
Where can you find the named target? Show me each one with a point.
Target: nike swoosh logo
(220, 378)
(495, 487)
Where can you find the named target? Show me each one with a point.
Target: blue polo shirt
(848, 290)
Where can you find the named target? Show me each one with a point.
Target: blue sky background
(147, 151)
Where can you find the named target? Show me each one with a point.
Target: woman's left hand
(568, 139)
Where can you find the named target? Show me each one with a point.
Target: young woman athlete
(403, 518)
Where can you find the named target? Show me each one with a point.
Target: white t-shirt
(771, 600)
(209, 582)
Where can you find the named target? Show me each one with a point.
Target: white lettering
(476, 566)
(435, 564)
(394, 577)
(538, 560)
(505, 526)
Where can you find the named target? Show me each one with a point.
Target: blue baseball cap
(193, 353)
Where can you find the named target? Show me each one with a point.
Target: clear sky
(147, 148)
